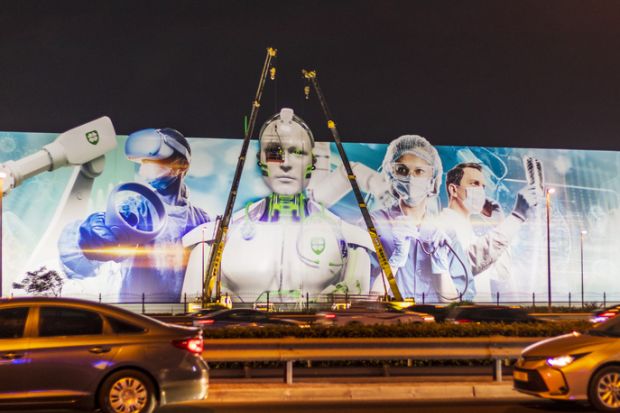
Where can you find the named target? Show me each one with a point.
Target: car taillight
(329, 315)
(462, 321)
(205, 322)
(193, 345)
(607, 314)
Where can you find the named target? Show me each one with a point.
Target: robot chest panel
(284, 256)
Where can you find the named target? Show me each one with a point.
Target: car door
(14, 356)
(69, 352)
(241, 318)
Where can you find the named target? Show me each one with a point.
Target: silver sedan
(81, 354)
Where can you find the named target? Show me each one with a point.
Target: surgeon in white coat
(415, 244)
(285, 244)
(489, 253)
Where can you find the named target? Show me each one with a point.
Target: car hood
(572, 343)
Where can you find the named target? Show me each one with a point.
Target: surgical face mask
(158, 176)
(412, 191)
(475, 199)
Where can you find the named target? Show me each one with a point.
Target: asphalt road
(455, 406)
(451, 406)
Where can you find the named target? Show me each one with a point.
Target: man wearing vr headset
(157, 267)
(416, 247)
(286, 244)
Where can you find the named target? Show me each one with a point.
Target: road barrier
(289, 350)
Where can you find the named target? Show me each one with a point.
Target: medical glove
(527, 199)
(95, 238)
(403, 233)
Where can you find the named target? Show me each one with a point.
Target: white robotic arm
(328, 187)
(82, 148)
(75, 147)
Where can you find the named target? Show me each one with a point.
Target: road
(453, 406)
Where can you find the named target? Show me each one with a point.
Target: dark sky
(528, 73)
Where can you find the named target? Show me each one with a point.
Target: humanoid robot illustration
(286, 243)
(141, 229)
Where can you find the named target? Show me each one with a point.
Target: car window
(467, 313)
(237, 315)
(123, 327)
(12, 322)
(502, 314)
(63, 321)
(608, 328)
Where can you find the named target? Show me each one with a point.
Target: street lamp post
(2, 176)
(202, 299)
(548, 204)
(583, 232)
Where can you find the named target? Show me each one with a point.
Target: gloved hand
(404, 232)
(527, 198)
(433, 237)
(95, 236)
(491, 207)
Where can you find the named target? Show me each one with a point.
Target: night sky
(528, 73)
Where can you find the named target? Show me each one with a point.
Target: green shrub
(406, 330)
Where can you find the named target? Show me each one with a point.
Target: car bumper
(539, 379)
(191, 388)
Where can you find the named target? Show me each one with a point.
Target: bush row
(549, 329)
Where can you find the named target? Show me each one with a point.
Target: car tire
(125, 389)
(604, 390)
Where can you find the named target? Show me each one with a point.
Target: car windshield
(610, 328)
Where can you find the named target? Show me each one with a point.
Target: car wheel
(127, 391)
(604, 390)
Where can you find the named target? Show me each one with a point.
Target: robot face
(288, 160)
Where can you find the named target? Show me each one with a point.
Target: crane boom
(217, 249)
(311, 76)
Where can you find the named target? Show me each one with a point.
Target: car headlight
(563, 361)
(560, 361)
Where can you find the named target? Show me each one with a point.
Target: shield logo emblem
(92, 137)
(317, 244)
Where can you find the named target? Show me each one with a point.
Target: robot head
(163, 154)
(413, 167)
(285, 156)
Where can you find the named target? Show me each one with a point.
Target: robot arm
(82, 148)
(75, 147)
(327, 187)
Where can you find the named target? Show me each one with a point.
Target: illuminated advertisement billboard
(455, 222)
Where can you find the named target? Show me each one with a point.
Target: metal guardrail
(288, 350)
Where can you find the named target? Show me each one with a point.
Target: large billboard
(455, 222)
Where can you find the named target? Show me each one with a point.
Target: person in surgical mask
(414, 244)
(465, 186)
(155, 268)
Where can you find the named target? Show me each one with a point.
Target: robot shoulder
(195, 236)
(354, 235)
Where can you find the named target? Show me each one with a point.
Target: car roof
(40, 300)
(489, 307)
(94, 305)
